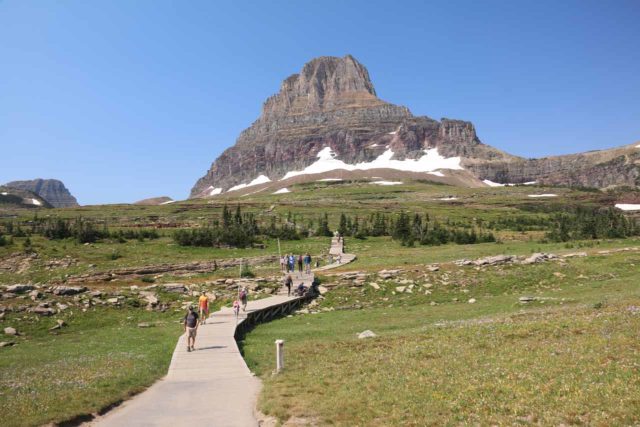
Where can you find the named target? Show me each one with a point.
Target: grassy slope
(100, 358)
(563, 361)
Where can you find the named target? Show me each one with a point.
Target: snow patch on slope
(542, 195)
(262, 179)
(497, 184)
(214, 191)
(429, 162)
(282, 191)
(387, 182)
(628, 206)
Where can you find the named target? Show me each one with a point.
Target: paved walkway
(337, 252)
(209, 387)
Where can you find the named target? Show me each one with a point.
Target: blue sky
(124, 100)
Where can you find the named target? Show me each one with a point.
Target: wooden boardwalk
(213, 385)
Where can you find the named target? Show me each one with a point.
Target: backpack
(243, 295)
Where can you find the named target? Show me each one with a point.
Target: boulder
(150, 297)
(68, 290)
(59, 325)
(388, 274)
(433, 267)
(10, 331)
(144, 325)
(494, 260)
(43, 310)
(400, 289)
(19, 289)
(177, 288)
(534, 258)
(472, 301)
(366, 334)
(375, 286)
(6, 344)
(526, 299)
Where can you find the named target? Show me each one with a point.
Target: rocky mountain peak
(325, 84)
(51, 190)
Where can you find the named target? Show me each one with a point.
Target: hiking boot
(188, 349)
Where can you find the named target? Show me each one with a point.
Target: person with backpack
(288, 282)
(191, 328)
(243, 298)
(307, 263)
(300, 261)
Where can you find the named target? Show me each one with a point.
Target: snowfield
(282, 191)
(497, 184)
(542, 195)
(214, 191)
(430, 161)
(386, 182)
(262, 179)
(628, 206)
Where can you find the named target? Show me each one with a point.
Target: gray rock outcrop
(51, 190)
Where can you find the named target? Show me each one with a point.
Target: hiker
(300, 261)
(288, 282)
(203, 305)
(307, 263)
(282, 264)
(236, 307)
(301, 289)
(191, 328)
(243, 298)
(292, 263)
(315, 284)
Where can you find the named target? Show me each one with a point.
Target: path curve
(213, 385)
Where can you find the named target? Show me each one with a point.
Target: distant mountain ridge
(329, 115)
(51, 190)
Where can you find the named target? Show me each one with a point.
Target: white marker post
(279, 355)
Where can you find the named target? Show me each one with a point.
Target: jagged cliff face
(332, 104)
(51, 190)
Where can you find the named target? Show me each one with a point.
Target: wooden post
(279, 355)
